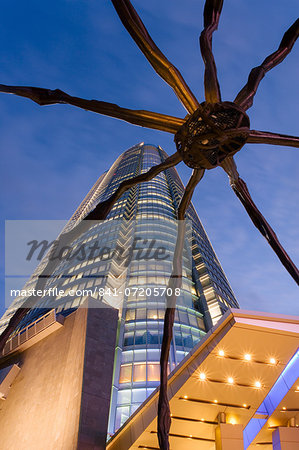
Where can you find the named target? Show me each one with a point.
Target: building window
(153, 372)
(139, 373)
(125, 375)
(122, 414)
(124, 397)
(138, 395)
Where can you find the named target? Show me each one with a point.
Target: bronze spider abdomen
(212, 133)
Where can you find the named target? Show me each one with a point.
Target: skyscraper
(145, 214)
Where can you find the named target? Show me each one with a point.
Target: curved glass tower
(119, 271)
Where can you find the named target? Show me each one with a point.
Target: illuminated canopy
(246, 367)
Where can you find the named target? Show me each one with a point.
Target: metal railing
(28, 332)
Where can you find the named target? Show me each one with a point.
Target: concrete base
(229, 437)
(285, 438)
(60, 399)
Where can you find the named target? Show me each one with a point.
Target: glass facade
(145, 213)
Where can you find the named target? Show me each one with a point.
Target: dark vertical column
(97, 376)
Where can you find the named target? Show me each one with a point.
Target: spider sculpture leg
(240, 189)
(99, 213)
(245, 96)
(266, 137)
(212, 13)
(175, 281)
(142, 118)
(156, 58)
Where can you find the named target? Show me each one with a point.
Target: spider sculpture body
(211, 133)
(209, 136)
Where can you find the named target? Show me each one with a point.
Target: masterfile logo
(100, 260)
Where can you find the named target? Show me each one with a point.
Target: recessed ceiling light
(244, 405)
(230, 380)
(258, 384)
(202, 376)
(247, 357)
(221, 353)
(215, 401)
(272, 361)
(284, 408)
(185, 396)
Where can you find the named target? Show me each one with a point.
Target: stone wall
(60, 399)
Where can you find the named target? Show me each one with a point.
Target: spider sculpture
(209, 136)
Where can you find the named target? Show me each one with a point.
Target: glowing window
(125, 374)
(152, 314)
(139, 372)
(130, 315)
(153, 372)
(161, 313)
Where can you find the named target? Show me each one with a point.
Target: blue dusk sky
(51, 156)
